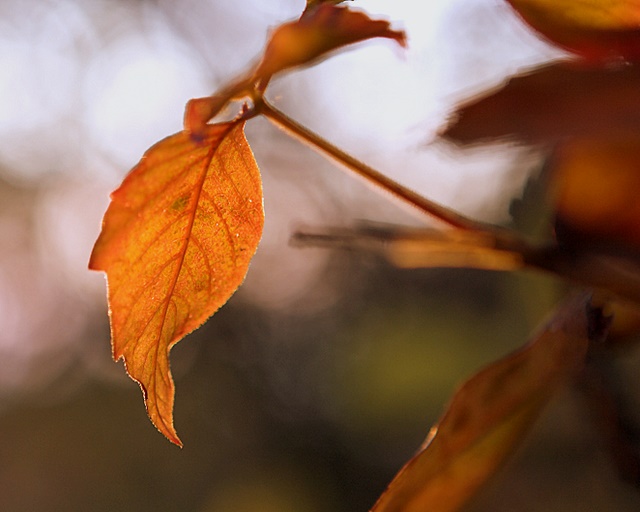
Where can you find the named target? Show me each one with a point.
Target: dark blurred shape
(551, 103)
(611, 412)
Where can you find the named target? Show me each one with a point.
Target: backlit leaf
(491, 413)
(598, 30)
(176, 243)
(322, 28)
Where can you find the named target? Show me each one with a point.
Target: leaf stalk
(370, 175)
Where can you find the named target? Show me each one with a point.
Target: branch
(369, 174)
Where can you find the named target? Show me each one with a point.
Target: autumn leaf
(552, 103)
(491, 413)
(322, 29)
(176, 243)
(596, 184)
(313, 3)
(597, 30)
(588, 120)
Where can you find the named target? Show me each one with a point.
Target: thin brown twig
(587, 269)
(379, 180)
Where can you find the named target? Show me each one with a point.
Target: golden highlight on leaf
(597, 182)
(594, 29)
(491, 413)
(176, 243)
(588, 14)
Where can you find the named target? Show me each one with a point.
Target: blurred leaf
(597, 182)
(422, 248)
(176, 242)
(313, 3)
(600, 267)
(491, 413)
(551, 103)
(322, 28)
(597, 30)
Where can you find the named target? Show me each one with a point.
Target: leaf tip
(169, 432)
(176, 441)
(162, 421)
(399, 36)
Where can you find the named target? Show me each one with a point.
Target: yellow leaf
(176, 243)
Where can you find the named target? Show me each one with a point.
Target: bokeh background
(323, 374)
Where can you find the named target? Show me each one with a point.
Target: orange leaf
(597, 30)
(320, 30)
(596, 185)
(176, 243)
(491, 413)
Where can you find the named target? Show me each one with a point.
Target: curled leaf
(198, 111)
(320, 30)
(176, 243)
(491, 413)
